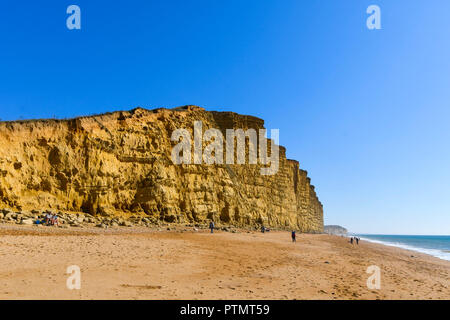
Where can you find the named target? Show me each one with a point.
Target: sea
(437, 246)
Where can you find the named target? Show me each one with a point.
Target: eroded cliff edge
(120, 164)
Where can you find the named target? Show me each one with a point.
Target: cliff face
(120, 164)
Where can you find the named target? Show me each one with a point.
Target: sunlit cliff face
(120, 164)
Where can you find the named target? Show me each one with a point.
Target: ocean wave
(441, 254)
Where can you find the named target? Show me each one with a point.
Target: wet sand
(141, 263)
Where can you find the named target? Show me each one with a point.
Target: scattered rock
(27, 221)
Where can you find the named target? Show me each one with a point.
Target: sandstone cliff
(120, 164)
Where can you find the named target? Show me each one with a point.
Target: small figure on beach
(55, 220)
(293, 236)
(263, 229)
(351, 240)
(357, 240)
(211, 226)
(47, 219)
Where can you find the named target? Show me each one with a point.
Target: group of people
(354, 239)
(50, 219)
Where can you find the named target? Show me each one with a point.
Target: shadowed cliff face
(120, 164)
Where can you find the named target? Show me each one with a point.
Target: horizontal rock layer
(119, 164)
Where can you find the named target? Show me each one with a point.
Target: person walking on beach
(357, 240)
(293, 236)
(211, 226)
(263, 229)
(351, 240)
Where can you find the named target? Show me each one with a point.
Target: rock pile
(81, 220)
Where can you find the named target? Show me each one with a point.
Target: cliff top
(121, 113)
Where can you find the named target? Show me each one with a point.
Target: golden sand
(133, 263)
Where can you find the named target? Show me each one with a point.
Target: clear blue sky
(367, 113)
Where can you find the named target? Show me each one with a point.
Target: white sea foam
(444, 255)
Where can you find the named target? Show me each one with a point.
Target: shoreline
(145, 263)
(436, 253)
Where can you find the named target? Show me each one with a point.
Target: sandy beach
(142, 263)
